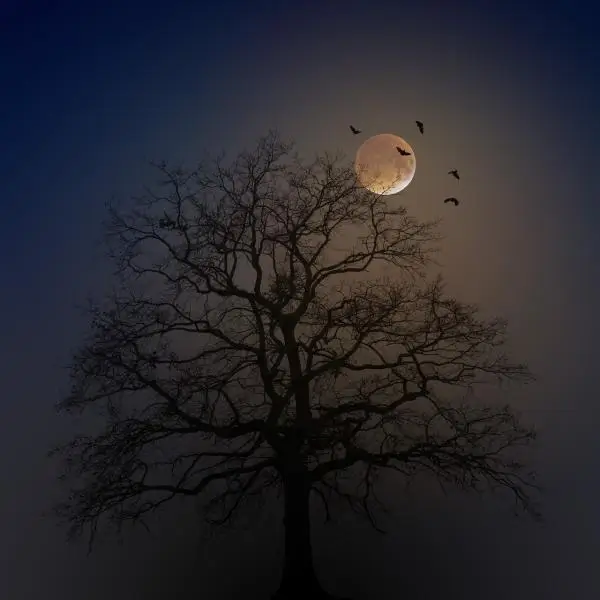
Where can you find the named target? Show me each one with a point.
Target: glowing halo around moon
(379, 166)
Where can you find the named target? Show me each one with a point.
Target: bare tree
(273, 325)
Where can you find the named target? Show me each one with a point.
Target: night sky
(509, 95)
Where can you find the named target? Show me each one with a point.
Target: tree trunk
(299, 579)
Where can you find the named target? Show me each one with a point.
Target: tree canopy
(271, 316)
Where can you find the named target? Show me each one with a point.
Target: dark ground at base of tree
(307, 596)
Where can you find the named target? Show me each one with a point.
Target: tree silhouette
(272, 325)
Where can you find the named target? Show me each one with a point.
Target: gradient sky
(508, 93)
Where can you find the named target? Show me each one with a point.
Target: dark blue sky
(509, 92)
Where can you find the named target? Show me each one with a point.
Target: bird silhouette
(454, 173)
(420, 126)
(402, 151)
(354, 130)
(167, 222)
(456, 203)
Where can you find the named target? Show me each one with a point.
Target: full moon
(381, 168)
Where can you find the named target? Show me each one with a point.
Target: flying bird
(454, 173)
(402, 151)
(354, 130)
(451, 200)
(420, 126)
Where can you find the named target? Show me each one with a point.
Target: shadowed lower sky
(508, 94)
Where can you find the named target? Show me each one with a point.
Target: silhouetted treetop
(275, 324)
